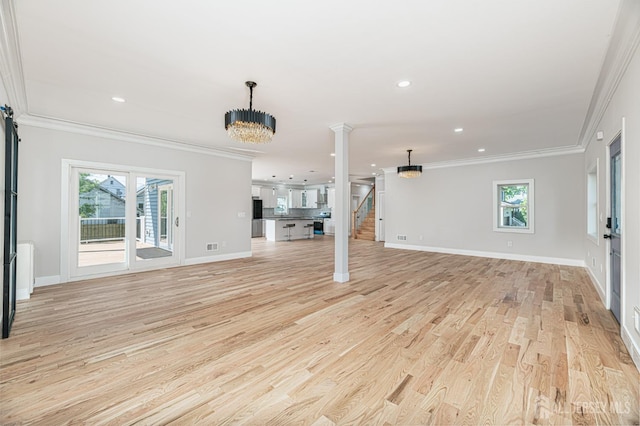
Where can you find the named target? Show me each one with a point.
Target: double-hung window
(513, 206)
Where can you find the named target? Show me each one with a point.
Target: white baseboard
(45, 281)
(22, 294)
(490, 254)
(217, 258)
(632, 346)
(341, 277)
(597, 286)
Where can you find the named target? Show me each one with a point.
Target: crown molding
(10, 60)
(341, 127)
(524, 155)
(84, 129)
(622, 46)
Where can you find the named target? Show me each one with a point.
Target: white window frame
(530, 229)
(593, 202)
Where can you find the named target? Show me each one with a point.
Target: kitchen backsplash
(268, 212)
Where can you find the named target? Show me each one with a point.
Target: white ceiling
(517, 76)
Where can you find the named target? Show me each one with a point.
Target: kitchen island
(275, 228)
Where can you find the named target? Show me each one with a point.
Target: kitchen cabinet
(275, 229)
(310, 198)
(295, 198)
(329, 226)
(255, 191)
(268, 197)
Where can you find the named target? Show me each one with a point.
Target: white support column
(341, 209)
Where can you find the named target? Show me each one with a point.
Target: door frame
(608, 271)
(380, 206)
(170, 215)
(66, 240)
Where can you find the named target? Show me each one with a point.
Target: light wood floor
(413, 338)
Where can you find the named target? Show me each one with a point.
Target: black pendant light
(250, 126)
(409, 171)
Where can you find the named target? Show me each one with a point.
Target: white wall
(212, 198)
(624, 103)
(451, 209)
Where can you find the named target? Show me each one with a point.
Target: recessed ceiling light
(373, 164)
(333, 154)
(404, 83)
(118, 99)
(458, 129)
(374, 173)
(481, 149)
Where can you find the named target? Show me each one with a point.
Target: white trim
(524, 155)
(341, 277)
(594, 167)
(493, 255)
(598, 286)
(101, 132)
(11, 70)
(633, 349)
(217, 258)
(623, 219)
(22, 294)
(625, 39)
(48, 280)
(65, 244)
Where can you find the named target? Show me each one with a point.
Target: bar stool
(308, 227)
(288, 227)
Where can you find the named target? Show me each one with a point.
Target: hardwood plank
(413, 338)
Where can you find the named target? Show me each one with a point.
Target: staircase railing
(359, 214)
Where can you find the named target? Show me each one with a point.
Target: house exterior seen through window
(513, 206)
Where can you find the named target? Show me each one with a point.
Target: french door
(119, 219)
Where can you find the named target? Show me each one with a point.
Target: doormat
(152, 253)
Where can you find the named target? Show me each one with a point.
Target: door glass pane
(102, 211)
(154, 218)
(615, 195)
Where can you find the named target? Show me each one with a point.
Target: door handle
(607, 236)
(177, 222)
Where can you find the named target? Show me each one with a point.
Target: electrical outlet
(402, 238)
(420, 237)
(212, 246)
(509, 243)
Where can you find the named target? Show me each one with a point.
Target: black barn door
(10, 218)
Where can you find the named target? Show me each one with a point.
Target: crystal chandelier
(409, 171)
(250, 126)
